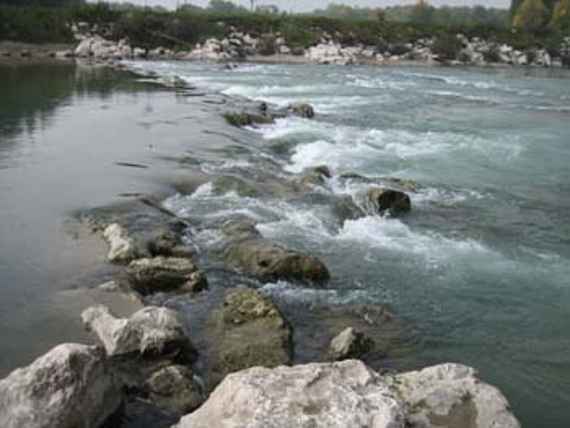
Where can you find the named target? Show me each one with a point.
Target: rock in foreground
(349, 394)
(69, 387)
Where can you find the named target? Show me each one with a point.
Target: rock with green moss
(269, 261)
(248, 330)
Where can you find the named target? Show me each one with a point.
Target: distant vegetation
(527, 23)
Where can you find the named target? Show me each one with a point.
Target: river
(480, 268)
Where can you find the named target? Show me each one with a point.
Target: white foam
(291, 293)
(393, 235)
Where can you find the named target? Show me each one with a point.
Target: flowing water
(480, 268)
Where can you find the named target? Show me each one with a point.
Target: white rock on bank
(330, 53)
(149, 331)
(349, 394)
(69, 387)
(122, 248)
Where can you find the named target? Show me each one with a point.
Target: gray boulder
(349, 394)
(349, 343)
(69, 387)
(150, 275)
(152, 332)
(384, 200)
(248, 330)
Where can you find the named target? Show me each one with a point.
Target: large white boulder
(337, 395)
(349, 394)
(69, 387)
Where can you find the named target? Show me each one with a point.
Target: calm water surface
(481, 267)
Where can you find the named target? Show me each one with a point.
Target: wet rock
(349, 344)
(388, 200)
(151, 275)
(270, 262)
(452, 395)
(248, 330)
(69, 387)
(122, 248)
(403, 183)
(166, 242)
(153, 333)
(229, 183)
(247, 119)
(349, 394)
(355, 177)
(302, 110)
(175, 389)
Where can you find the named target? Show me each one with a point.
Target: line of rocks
(238, 46)
(149, 356)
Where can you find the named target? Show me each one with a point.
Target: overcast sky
(305, 5)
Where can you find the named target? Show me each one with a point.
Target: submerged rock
(122, 248)
(248, 330)
(349, 344)
(152, 333)
(230, 183)
(247, 119)
(270, 262)
(174, 389)
(389, 200)
(349, 394)
(69, 387)
(156, 274)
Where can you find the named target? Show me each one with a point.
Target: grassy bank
(183, 28)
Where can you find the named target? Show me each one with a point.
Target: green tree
(561, 15)
(423, 13)
(531, 16)
(224, 6)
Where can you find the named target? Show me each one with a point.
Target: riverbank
(247, 174)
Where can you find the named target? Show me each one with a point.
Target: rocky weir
(241, 365)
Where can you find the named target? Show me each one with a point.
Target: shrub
(447, 46)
